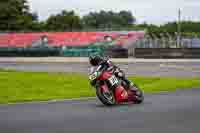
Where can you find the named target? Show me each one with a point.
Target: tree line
(188, 29)
(15, 16)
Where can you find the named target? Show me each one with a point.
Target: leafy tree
(66, 20)
(108, 19)
(15, 15)
(188, 28)
(127, 17)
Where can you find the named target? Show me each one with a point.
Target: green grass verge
(38, 86)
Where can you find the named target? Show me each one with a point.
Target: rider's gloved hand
(93, 83)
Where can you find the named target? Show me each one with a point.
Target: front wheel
(107, 98)
(139, 94)
(140, 97)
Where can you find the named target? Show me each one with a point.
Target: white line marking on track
(50, 101)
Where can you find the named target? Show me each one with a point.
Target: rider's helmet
(95, 59)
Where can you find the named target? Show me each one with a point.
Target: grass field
(39, 86)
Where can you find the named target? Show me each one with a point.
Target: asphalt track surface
(169, 69)
(160, 113)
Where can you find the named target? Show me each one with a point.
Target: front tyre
(140, 97)
(106, 98)
(139, 94)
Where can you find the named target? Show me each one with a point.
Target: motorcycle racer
(106, 64)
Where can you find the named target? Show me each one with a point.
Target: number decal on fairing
(113, 80)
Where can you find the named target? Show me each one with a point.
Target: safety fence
(168, 42)
(167, 53)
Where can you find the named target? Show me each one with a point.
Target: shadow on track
(118, 105)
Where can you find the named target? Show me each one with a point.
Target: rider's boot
(129, 84)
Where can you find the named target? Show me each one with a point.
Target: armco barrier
(29, 52)
(116, 53)
(67, 52)
(167, 52)
(83, 51)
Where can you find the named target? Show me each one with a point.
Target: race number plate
(113, 80)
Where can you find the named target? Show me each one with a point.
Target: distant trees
(188, 28)
(108, 19)
(64, 21)
(15, 15)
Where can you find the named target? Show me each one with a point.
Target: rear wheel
(107, 98)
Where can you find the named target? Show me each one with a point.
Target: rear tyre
(106, 98)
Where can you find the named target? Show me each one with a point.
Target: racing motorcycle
(111, 90)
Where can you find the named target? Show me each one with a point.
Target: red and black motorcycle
(111, 90)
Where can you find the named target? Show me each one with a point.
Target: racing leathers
(106, 64)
